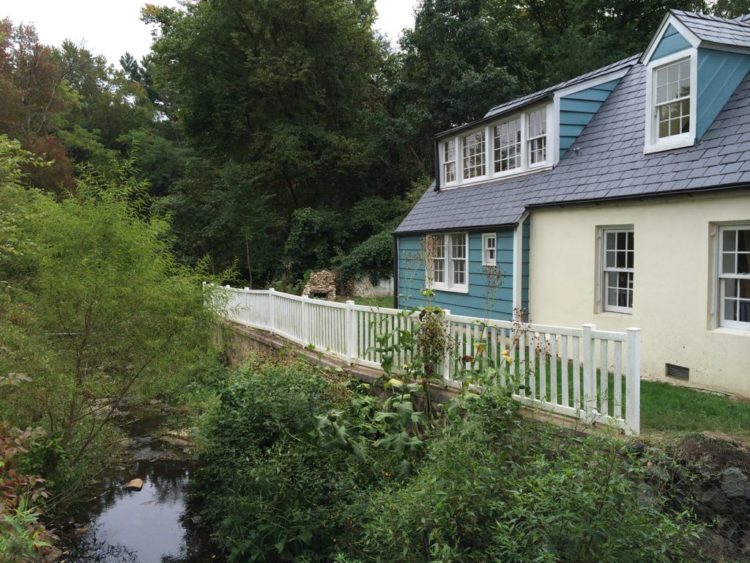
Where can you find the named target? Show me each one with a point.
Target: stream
(155, 524)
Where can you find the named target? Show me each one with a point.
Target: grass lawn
(668, 408)
(385, 301)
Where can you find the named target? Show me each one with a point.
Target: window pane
(631, 255)
(743, 311)
(743, 263)
(744, 288)
(730, 288)
(611, 259)
(729, 240)
(743, 240)
(611, 238)
(730, 309)
(459, 274)
(458, 243)
(727, 263)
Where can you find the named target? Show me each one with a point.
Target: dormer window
(474, 155)
(449, 161)
(537, 136)
(671, 99)
(506, 146)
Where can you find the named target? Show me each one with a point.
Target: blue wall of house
(719, 74)
(578, 108)
(485, 298)
(671, 42)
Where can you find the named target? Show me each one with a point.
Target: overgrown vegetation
(95, 315)
(301, 463)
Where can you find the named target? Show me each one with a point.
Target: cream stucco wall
(673, 286)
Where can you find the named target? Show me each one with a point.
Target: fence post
(589, 373)
(305, 321)
(246, 307)
(633, 389)
(350, 331)
(271, 311)
(447, 353)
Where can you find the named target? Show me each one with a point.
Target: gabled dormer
(526, 135)
(694, 64)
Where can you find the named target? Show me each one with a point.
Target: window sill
(614, 314)
(504, 176)
(731, 331)
(461, 289)
(671, 144)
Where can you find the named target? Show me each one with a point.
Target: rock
(734, 482)
(135, 485)
(714, 498)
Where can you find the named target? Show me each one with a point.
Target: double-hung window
(449, 161)
(536, 128)
(447, 262)
(508, 145)
(474, 155)
(617, 270)
(671, 99)
(489, 249)
(672, 104)
(734, 276)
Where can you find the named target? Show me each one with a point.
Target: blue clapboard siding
(578, 108)
(719, 74)
(671, 42)
(483, 300)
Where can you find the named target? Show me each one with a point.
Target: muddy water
(155, 524)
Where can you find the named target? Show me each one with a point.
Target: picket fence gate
(584, 373)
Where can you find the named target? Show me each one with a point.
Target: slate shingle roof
(606, 162)
(520, 102)
(734, 32)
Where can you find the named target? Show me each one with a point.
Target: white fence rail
(584, 373)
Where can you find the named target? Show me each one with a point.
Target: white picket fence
(584, 373)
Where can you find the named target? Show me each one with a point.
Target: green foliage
(93, 309)
(493, 489)
(300, 465)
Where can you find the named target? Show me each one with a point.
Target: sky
(111, 27)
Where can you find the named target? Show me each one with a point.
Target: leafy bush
(491, 488)
(298, 464)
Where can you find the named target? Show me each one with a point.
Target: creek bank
(720, 486)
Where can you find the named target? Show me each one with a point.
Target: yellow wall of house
(673, 285)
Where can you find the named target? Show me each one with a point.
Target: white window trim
(486, 261)
(490, 174)
(722, 322)
(652, 144)
(448, 285)
(602, 273)
(528, 140)
(487, 146)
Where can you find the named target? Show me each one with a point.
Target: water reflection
(155, 524)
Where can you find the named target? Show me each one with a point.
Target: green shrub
(491, 488)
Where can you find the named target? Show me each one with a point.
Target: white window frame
(721, 277)
(551, 130)
(486, 260)
(652, 142)
(529, 139)
(519, 157)
(455, 161)
(462, 138)
(604, 270)
(448, 260)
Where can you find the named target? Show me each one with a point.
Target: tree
(93, 309)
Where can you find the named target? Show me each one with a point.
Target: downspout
(395, 271)
(518, 263)
(436, 154)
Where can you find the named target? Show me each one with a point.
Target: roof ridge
(572, 81)
(710, 17)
